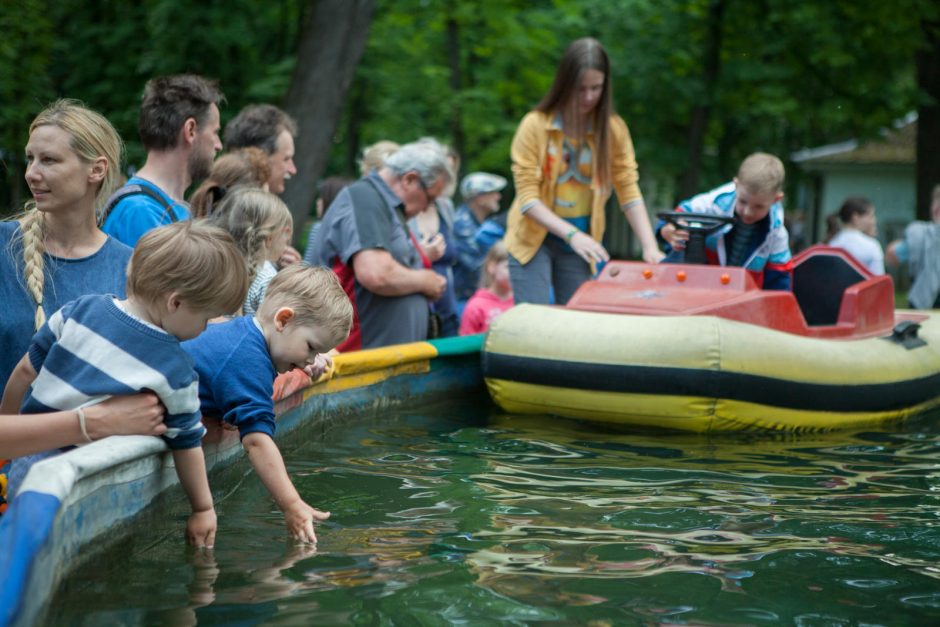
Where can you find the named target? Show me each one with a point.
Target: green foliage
(402, 89)
(103, 53)
(790, 75)
(25, 50)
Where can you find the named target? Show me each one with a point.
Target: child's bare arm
(267, 461)
(22, 377)
(191, 468)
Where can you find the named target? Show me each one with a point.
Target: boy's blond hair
(315, 295)
(193, 258)
(494, 255)
(761, 173)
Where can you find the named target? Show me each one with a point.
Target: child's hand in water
(299, 518)
(201, 528)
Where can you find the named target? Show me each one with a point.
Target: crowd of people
(128, 310)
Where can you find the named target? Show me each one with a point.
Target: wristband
(571, 234)
(81, 423)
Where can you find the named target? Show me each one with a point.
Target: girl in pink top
(494, 297)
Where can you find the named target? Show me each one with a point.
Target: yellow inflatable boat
(701, 348)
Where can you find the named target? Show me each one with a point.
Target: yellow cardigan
(536, 165)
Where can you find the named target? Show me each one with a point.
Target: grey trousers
(554, 267)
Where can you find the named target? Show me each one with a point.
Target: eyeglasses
(424, 188)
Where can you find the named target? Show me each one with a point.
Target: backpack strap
(131, 190)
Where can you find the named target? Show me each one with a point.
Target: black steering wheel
(699, 226)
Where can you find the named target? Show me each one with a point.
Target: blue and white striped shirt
(91, 350)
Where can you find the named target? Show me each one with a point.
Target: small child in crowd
(859, 226)
(328, 189)
(262, 227)
(305, 312)
(180, 276)
(495, 295)
(757, 240)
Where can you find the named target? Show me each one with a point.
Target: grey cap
(477, 183)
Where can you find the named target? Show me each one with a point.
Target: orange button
(680, 275)
(725, 279)
(647, 274)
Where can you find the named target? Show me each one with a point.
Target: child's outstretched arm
(191, 469)
(20, 379)
(269, 464)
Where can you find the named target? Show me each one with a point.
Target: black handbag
(434, 325)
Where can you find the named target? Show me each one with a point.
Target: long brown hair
(245, 166)
(583, 54)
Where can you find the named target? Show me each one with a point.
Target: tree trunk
(698, 124)
(928, 118)
(356, 113)
(331, 45)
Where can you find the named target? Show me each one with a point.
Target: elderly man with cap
(481, 194)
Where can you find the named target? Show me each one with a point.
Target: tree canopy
(701, 83)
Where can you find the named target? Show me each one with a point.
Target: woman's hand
(139, 414)
(587, 248)
(654, 255)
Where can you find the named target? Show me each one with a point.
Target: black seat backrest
(818, 285)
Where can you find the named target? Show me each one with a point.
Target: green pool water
(458, 514)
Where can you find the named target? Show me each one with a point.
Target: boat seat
(819, 282)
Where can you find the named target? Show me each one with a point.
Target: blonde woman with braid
(54, 251)
(262, 227)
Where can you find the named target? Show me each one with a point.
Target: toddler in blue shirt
(304, 313)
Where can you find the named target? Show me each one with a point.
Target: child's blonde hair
(91, 136)
(251, 216)
(193, 258)
(315, 295)
(496, 254)
(761, 173)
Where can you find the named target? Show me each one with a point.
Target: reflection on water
(456, 514)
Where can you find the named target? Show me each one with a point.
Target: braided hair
(91, 137)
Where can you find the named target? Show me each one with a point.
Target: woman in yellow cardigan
(568, 155)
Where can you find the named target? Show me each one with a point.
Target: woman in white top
(857, 235)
